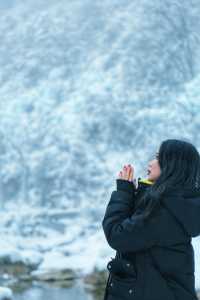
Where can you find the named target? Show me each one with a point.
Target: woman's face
(153, 170)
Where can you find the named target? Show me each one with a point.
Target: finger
(120, 175)
(131, 175)
(127, 172)
(125, 175)
(130, 172)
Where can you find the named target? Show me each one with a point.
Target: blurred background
(85, 87)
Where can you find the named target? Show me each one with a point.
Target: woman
(151, 226)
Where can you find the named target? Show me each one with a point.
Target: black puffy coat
(159, 251)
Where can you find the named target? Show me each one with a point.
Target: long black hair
(179, 163)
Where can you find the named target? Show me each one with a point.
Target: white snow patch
(6, 293)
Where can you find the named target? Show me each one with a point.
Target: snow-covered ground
(81, 246)
(196, 245)
(6, 293)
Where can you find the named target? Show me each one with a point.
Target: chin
(150, 178)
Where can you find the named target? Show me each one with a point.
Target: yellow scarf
(146, 181)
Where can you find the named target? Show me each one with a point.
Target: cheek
(156, 168)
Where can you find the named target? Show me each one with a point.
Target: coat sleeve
(127, 231)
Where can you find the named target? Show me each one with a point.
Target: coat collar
(143, 183)
(147, 181)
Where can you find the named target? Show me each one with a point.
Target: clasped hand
(127, 173)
